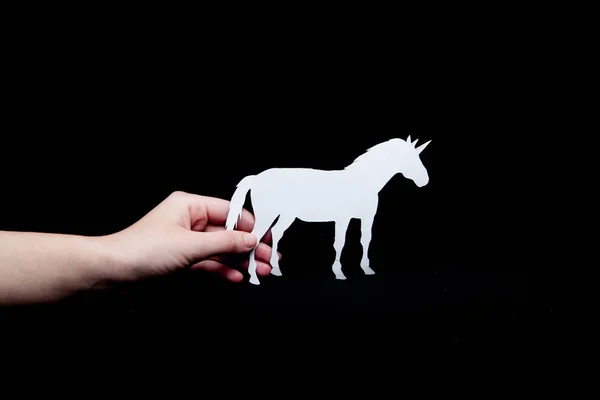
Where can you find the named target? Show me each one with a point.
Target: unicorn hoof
(369, 271)
(340, 277)
(275, 272)
(254, 280)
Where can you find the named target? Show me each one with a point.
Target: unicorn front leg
(340, 238)
(366, 224)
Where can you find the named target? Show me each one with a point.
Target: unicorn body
(338, 196)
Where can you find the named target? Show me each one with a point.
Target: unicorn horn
(422, 147)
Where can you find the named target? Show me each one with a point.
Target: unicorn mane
(377, 151)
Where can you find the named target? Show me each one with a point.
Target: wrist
(110, 263)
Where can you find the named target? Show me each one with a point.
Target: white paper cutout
(313, 195)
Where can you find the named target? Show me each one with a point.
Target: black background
(96, 135)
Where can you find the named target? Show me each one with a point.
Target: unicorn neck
(373, 177)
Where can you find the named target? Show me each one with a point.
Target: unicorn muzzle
(422, 182)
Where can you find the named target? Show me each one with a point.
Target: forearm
(38, 267)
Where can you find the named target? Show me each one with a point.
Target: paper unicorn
(313, 195)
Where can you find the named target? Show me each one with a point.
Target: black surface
(98, 145)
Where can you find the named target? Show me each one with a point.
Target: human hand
(187, 230)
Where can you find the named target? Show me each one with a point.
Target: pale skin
(183, 231)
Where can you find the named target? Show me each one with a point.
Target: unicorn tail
(237, 202)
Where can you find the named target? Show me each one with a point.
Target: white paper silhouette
(313, 195)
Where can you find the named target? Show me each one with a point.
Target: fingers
(228, 273)
(212, 210)
(263, 251)
(262, 268)
(218, 209)
(268, 238)
(202, 245)
(262, 256)
(206, 211)
(216, 267)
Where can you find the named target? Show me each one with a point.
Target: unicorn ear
(415, 142)
(422, 147)
(408, 139)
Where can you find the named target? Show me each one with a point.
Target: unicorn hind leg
(277, 231)
(261, 226)
(340, 238)
(365, 240)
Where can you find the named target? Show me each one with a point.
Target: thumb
(202, 245)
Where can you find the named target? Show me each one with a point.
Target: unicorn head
(409, 162)
(396, 156)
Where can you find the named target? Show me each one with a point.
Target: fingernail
(249, 239)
